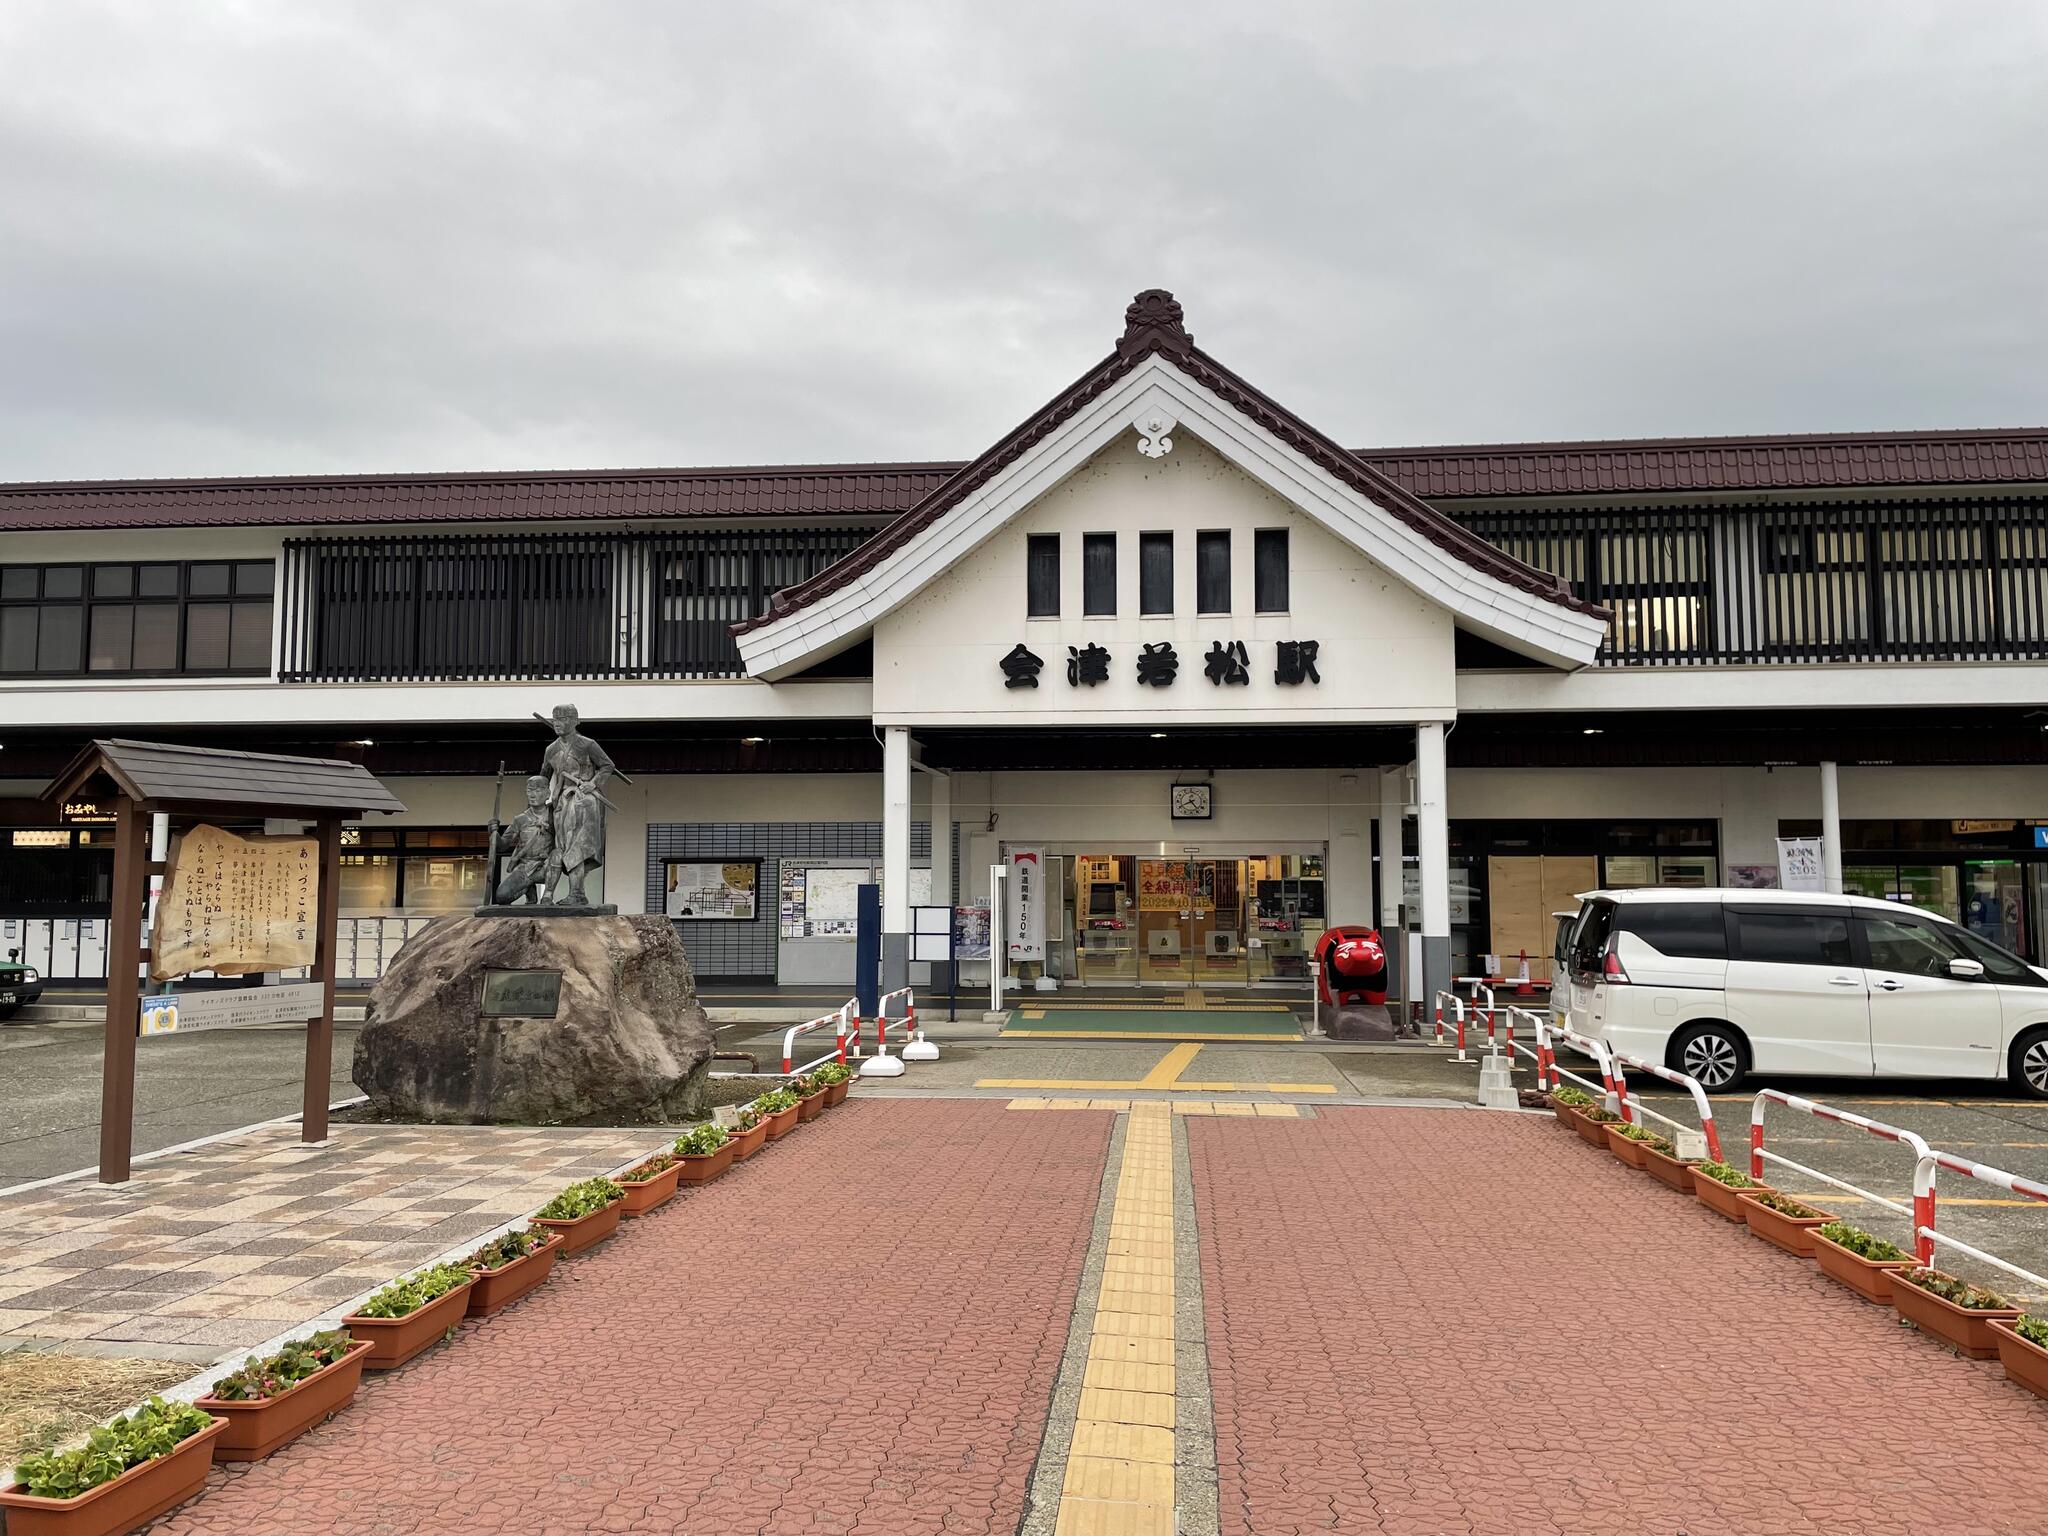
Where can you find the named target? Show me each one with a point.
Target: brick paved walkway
(855, 1332)
(231, 1243)
(1365, 1279)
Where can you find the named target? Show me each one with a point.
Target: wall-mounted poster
(725, 892)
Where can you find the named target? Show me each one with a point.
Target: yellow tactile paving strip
(1165, 1077)
(1119, 1476)
(1236, 1107)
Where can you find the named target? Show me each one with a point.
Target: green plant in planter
(1647, 1137)
(274, 1375)
(1949, 1288)
(1785, 1205)
(584, 1198)
(155, 1429)
(832, 1073)
(1572, 1098)
(701, 1140)
(803, 1087)
(747, 1117)
(1600, 1116)
(775, 1101)
(402, 1298)
(1861, 1243)
(508, 1246)
(1721, 1173)
(2033, 1329)
(659, 1163)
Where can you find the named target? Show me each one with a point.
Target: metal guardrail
(1922, 1213)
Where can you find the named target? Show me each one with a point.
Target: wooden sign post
(202, 787)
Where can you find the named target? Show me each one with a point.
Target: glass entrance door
(1216, 935)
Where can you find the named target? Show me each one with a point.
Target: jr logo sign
(1025, 918)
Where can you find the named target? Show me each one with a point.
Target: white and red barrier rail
(1922, 1212)
(843, 1021)
(1926, 1237)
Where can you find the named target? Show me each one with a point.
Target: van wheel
(1713, 1054)
(2027, 1067)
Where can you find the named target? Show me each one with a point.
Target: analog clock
(1189, 802)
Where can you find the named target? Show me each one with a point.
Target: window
(1589, 938)
(1212, 572)
(1155, 573)
(1792, 937)
(1269, 570)
(2000, 964)
(1098, 575)
(212, 616)
(1042, 576)
(412, 869)
(1691, 930)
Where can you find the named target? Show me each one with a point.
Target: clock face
(1190, 802)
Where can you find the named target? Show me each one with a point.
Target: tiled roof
(1829, 461)
(854, 490)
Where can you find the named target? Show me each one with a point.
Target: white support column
(1830, 828)
(1393, 818)
(1433, 855)
(895, 857)
(942, 839)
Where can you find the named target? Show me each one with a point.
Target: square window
(254, 578)
(1155, 572)
(113, 581)
(207, 581)
(18, 581)
(156, 581)
(61, 581)
(1098, 575)
(1212, 572)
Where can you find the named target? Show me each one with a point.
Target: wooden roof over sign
(163, 777)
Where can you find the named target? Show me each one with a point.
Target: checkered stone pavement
(231, 1243)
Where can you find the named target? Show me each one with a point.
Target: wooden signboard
(236, 905)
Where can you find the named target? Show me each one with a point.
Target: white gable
(1384, 653)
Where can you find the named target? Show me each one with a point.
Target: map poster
(236, 905)
(726, 892)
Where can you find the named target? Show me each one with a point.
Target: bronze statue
(525, 851)
(577, 771)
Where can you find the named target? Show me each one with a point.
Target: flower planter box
(583, 1233)
(708, 1166)
(395, 1340)
(133, 1499)
(500, 1287)
(2025, 1362)
(1591, 1131)
(258, 1427)
(1966, 1329)
(782, 1122)
(812, 1105)
(745, 1144)
(1675, 1171)
(1868, 1278)
(1794, 1234)
(649, 1193)
(1630, 1152)
(835, 1093)
(1718, 1197)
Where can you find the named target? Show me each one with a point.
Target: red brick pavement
(1365, 1277)
(687, 1377)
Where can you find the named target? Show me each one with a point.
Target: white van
(1722, 983)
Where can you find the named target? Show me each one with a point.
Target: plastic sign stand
(882, 1064)
(919, 1049)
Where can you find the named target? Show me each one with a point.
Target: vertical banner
(1799, 864)
(1024, 904)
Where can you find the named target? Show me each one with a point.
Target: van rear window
(1691, 930)
(1588, 943)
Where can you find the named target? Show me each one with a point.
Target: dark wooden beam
(124, 1001)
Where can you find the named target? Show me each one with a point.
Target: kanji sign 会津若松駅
(236, 905)
(1228, 662)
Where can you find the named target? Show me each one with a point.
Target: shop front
(1987, 873)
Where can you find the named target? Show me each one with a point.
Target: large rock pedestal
(628, 1042)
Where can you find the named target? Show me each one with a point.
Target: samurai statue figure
(525, 850)
(577, 771)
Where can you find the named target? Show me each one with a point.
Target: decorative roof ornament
(1154, 321)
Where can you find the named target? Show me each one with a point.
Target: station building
(1221, 678)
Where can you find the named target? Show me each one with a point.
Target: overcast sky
(282, 236)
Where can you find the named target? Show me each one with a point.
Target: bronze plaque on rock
(521, 994)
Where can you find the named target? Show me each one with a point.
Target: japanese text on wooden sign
(235, 905)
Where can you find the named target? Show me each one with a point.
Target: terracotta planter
(1718, 1197)
(705, 1168)
(835, 1093)
(1868, 1278)
(1630, 1152)
(257, 1428)
(1675, 1171)
(395, 1340)
(1961, 1328)
(1592, 1131)
(133, 1499)
(745, 1144)
(583, 1233)
(1794, 1234)
(782, 1122)
(500, 1287)
(2025, 1362)
(649, 1193)
(812, 1105)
